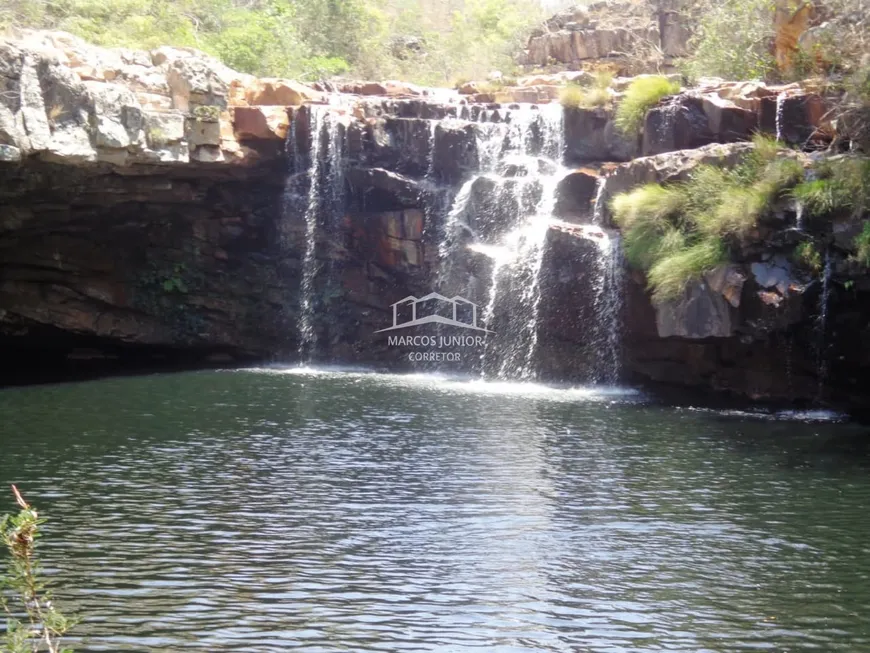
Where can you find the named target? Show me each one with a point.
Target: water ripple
(326, 511)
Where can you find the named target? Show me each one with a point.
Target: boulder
(591, 136)
(203, 132)
(455, 153)
(726, 120)
(585, 137)
(376, 189)
(677, 124)
(700, 313)
(281, 92)
(799, 117)
(261, 122)
(118, 116)
(196, 79)
(575, 196)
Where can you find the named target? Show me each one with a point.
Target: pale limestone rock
(203, 132)
(162, 128)
(33, 106)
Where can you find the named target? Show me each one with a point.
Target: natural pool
(270, 509)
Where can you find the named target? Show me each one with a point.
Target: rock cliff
(158, 207)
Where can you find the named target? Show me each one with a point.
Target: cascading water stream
(608, 310)
(514, 286)
(305, 326)
(598, 205)
(780, 112)
(824, 302)
(325, 197)
(505, 212)
(520, 170)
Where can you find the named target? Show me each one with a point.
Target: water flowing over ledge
(232, 220)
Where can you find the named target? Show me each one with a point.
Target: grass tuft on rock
(596, 94)
(679, 231)
(841, 189)
(646, 216)
(641, 96)
(862, 245)
(807, 255)
(670, 274)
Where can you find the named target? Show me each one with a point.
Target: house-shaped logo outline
(434, 319)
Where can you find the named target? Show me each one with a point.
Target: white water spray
(780, 112)
(325, 193)
(598, 205)
(608, 310)
(824, 301)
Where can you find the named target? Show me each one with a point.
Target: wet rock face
(590, 136)
(680, 124)
(142, 262)
(567, 341)
(575, 196)
(797, 115)
(455, 155)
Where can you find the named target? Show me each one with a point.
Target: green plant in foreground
(677, 232)
(641, 96)
(23, 592)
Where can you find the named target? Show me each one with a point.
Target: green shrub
(641, 95)
(807, 255)
(23, 587)
(862, 245)
(733, 40)
(765, 149)
(207, 113)
(671, 273)
(679, 231)
(304, 39)
(575, 96)
(842, 188)
(589, 95)
(645, 216)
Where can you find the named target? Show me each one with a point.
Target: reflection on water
(275, 509)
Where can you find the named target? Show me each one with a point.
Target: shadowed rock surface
(155, 210)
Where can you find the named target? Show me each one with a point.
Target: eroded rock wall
(154, 209)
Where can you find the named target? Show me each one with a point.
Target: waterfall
(598, 205)
(608, 310)
(325, 198)
(780, 111)
(528, 243)
(430, 170)
(520, 164)
(824, 301)
(492, 238)
(799, 215)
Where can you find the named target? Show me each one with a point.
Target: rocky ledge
(156, 205)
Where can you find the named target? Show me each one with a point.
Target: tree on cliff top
(429, 41)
